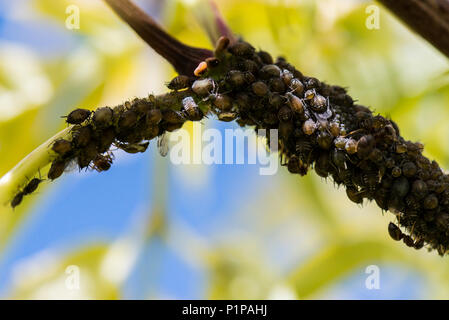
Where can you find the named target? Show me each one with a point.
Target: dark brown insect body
(78, 116)
(31, 186)
(180, 82)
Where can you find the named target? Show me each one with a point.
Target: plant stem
(28, 168)
(428, 18)
(182, 57)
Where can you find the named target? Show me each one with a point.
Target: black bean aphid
(17, 200)
(180, 82)
(191, 109)
(241, 49)
(62, 147)
(102, 162)
(31, 186)
(56, 169)
(102, 117)
(203, 87)
(394, 231)
(78, 116)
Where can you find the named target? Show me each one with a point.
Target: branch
(28, 168)
(428, 18)
(182, 57)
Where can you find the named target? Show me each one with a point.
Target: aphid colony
(319, 125)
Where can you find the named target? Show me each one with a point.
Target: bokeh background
(147, 229)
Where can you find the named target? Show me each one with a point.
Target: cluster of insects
(319, 127)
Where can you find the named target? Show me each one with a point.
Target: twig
(182, 57)
(428, 18)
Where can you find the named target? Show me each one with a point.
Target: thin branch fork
(428, 18)
(182, 57)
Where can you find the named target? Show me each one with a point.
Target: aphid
(57, 169)
(236, 78)
(270, 118)
(162, 144)
(275, 99)
(418, 244)
(401, 148)
(106, 138)
(285, 129)
(31, 186)
(154, 116)
(441, 250)
(443, 220)
(87, 155)
(309, 95)
(287, 77)
(285, 113)
(334, 129)
(78, 116)
(324, 140)
(396, 172)
(318, 103)
(172, 116)
(312, 83)
(376, 155)
(203, 87)
(340, 143)
(339, 159)
(408, 241)
(295, 103)
(221, 45)
(270, 71)
(191, 109)
(260, 88)
(430, 202)
(127, 120)
(223, 102)
(322, 165)
(297, 87)
(303, 147)
(351, 146)
(102, 117)
(17, 200)
(151, 132)
(241, 49)
(82, 136)
(141, 107)
(400, 187)
(354, 195)
(294, 165)
(134, 147)
(102, 162)
(170, 127)
(409, 169)
(227, 116)
(365, 145)
(200, 69)
(249, 65)
(265, 57)
(179, 82)
(277, 85)
(62, 147)
(309, 127)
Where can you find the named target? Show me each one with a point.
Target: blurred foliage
(296, 245)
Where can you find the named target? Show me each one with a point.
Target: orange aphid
(202, 67)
